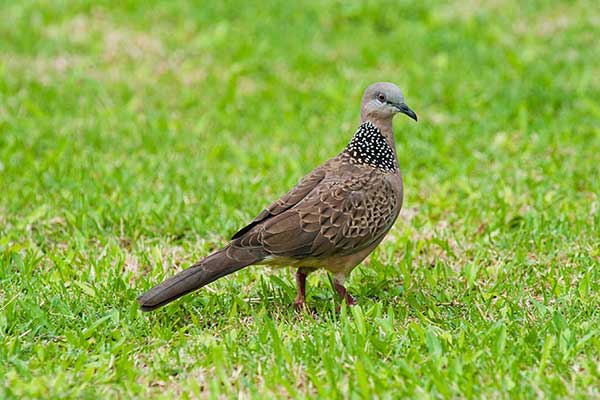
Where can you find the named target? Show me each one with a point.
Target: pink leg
(301, 283)
(343, 292)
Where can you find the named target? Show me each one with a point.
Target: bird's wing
(338, 217)
(287, 201)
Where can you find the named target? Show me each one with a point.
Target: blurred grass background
(136, 137)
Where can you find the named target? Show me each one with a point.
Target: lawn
(136, 137)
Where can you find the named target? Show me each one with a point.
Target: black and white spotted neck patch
(368, 146)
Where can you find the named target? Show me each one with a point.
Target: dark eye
(381, 97)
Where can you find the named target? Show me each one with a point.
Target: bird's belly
(335, 264)
(279, 262)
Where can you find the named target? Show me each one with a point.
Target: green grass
(134, 139)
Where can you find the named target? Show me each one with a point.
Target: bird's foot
(343, 293)
(299, 305)
(350, 300)
(303, 310)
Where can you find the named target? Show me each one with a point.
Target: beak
(404, 109)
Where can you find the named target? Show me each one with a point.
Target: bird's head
(383, 100)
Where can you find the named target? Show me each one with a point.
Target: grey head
(383, 100)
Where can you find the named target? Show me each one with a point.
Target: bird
(332, 219)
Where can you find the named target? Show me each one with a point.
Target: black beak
(404, 109)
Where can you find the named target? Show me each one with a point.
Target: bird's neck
(385, 128)
(370, 146)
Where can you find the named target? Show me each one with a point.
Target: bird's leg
(301, 283)
(339, 287)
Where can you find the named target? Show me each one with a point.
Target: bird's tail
(217, 265)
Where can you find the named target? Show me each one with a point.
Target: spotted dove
(332, 219)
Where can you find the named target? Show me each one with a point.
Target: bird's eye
(381, 97)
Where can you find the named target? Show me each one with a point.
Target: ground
(135, 137)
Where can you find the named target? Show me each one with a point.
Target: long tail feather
(213, 267)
